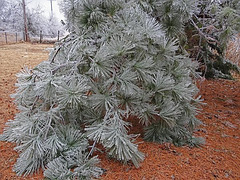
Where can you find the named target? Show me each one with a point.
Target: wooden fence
(10, 37)
(7, 37)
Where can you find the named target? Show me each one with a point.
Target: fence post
(16, 38)
(28, 37)
(6, 37)
(58, 35)
(24, 37)
(40, 37)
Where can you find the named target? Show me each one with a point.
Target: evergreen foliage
(121, 59)
(214, 24)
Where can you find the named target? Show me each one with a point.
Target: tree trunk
(25, 21)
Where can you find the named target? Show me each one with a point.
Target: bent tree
(121, 59)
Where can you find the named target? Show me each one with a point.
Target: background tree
(11, 16)
(3, 4)
(37, 22)
(11, 19)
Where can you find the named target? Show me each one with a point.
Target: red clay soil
(219, 158)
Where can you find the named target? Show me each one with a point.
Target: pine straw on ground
(233, 50)
(219, 158)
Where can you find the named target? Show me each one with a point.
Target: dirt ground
(219, 158)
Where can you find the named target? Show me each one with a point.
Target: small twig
(92, 149)
(34, 103)
(49, 125)
(55, 54)
(209, 39)
(59, 67)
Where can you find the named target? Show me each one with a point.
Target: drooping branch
(201, 33)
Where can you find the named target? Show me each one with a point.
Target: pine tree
(121, 59)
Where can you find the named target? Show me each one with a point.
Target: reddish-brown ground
(219, 158)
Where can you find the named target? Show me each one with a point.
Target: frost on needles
(118, 61)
